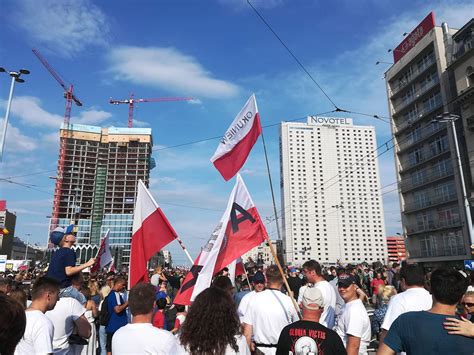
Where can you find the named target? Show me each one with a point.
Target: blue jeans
(73, 293)
(102, 340)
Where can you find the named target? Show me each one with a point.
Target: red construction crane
(70, 97)
(131, 103)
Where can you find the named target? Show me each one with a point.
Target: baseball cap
(346, 280)
(58, 233)
(312, 296)
(293, 269)
(258, 278)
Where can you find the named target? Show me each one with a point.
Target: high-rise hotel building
(98, 188)
(430, 64)
(331, 204)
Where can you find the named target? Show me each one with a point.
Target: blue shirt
(117, 320)
(423, 333)
(61, 258)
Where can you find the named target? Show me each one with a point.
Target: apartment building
(331, 205)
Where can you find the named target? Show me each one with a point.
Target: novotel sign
(329, 121)
(414, 37)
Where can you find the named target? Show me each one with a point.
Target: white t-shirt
(268, 313)
(243, 305)
(241, 343)
(329, 297)
(38, 337)
(143, 338)
(354, 321)
(63, 316)
(413, 299)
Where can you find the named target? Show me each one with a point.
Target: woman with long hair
(212, 326)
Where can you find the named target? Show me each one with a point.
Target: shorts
(108, 344)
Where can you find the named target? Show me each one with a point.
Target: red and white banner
(151, 233)
(104, 256)
(239, 230)
(238, 140)
(236, 268)
(112, 266)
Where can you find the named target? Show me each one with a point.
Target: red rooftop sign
(414, 37)
(3, 205)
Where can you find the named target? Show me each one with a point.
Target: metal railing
(437, 252)
(416, 94)
(426, 132)
(413, 75)
(430, 201)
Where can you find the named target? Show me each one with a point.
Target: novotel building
(331, 205)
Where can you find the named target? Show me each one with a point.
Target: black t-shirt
(304, 337)
(295, 283)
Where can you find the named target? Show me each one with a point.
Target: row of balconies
(424, 133)
(409, 122)
(414, 74)
(435, 175)
(424, 157)
(416, 95)
(429, 201)
(430, 226)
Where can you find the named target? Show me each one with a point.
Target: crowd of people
(354, 309)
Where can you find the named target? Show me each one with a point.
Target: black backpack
(104, 315)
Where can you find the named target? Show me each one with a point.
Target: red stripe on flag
(154, 234)
(230, 163)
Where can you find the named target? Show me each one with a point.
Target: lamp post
(449, 117)
(15, 75)
(27, 242)
(337, 207)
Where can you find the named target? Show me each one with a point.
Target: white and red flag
(239, 230)
(104, 256)
(238, 140)
(236, 268)
(151, 233)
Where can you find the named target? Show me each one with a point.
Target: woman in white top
(212, 326)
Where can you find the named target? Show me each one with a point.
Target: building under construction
(96, 186)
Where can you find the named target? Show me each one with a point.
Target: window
(470, 76)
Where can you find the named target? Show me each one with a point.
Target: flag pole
(271, 186)
(285, 281)
(246, 275)
(185, 250)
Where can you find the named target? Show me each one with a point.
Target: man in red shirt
(376, 284)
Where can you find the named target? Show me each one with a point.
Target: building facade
(420, 90)
(7, 229)
(261, 254)
(98, 188)
(396, 248)
(331, 205)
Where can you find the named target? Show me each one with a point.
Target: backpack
(104, 315)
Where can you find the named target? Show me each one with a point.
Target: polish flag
(151, 233)
(239, 230)
(104, 256)
(112, 266)
(236, 268)
(238, 140)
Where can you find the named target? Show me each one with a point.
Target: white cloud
(30, 111)
(66, 27)
(167, 68)
(16, 141)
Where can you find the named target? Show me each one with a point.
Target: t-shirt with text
(306, 337)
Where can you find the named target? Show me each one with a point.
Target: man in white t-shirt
(353, 326)
(38, 337)
(68, 315)
(413, 298)
(267, 314)
(140, 336)
(313, 273)
(258, 282)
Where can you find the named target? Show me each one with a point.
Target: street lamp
(27, 242)
(450, 118)
(15, 75)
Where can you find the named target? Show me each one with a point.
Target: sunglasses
(259, 282)
(467, 304)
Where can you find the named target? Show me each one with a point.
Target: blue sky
(216, 51)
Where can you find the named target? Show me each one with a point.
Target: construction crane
(70, 97)
(131, 104)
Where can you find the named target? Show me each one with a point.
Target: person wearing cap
(353, 326)
(308, 336)
(63, 262)
(313, 273)
(258, 282)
